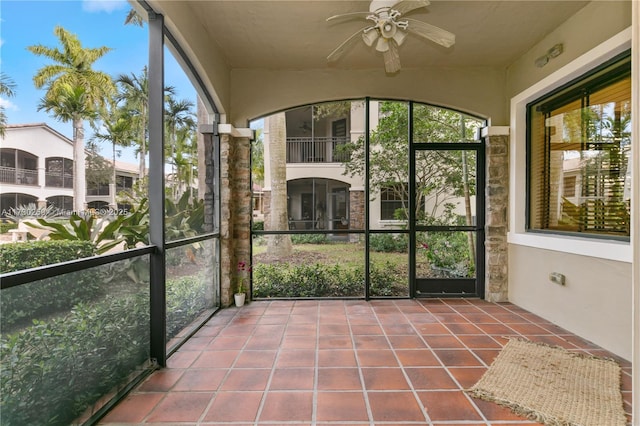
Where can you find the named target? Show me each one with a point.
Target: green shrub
(52, 371)
(5, 227)
(19, 305)
(258, 225)
(186, 299)
(389, 243)
(318, 280)
(387, 280)
(309, 239)
(32, 254)
(448, 254)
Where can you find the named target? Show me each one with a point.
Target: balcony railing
(316, 150)
(18, 176)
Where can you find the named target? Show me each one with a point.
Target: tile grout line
(363, 387)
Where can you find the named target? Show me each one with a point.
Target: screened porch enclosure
(345, 246)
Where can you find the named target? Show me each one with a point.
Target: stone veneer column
(496, 141)
(235, 207)
(356, 209)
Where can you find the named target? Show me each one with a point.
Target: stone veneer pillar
(496, 141)
(235, 207)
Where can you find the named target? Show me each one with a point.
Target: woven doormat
(553, 386)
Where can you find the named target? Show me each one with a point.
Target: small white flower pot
(239, 299)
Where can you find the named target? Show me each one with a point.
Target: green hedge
(185, 301)
(31, 254)
(52, 371)
(318, 280)
(20, 305)
(5, 227)
(389, 243)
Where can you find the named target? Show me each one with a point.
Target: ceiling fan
(388, 31)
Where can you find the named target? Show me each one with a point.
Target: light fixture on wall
(554, 52)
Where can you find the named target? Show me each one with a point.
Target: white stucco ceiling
(295, 34)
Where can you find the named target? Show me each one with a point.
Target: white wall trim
(604, 249)
(229, 129)
(495, 131)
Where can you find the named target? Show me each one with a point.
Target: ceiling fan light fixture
(399, 37)
(382, 45)
(370, 36)
(387, 32)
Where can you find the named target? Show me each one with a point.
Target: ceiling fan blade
(347, 16)
(406, 6)
(339, 51)
(370, 37)
(382, 45)
(391, 59)
(428, 31)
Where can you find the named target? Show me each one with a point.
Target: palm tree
(7, 88)
(134, 19)
(117, 128)
(134, 91)
(75, 91)
(178, 115)
(186, 159)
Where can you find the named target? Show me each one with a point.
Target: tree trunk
(278, 245)
(142, 169)
(112, 185)
(467, 206)
(79, 168)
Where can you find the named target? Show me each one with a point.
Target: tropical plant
(134, 93)
(75, 91)
(133, 18)
(31, 211)
(102, 233)
(7, 88)
(180, 122)
(243, 270)
(185, 218)
(117, 129)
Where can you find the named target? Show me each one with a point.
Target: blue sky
(96, 23)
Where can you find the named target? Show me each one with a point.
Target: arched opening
(59, 172)
(375, 179)
(9, 202)
(18, 167)
(61, 202)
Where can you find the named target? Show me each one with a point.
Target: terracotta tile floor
(356, 363)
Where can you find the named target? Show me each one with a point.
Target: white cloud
(96, 6)
(7, 104)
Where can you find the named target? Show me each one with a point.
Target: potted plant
(241, 289)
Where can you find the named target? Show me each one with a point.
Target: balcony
(315, 150)
(336, 362)
(59, 180)
(18, 176)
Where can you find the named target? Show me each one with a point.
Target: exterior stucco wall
(592, 25)
(594, 303)
(44, 143)
(477, 91)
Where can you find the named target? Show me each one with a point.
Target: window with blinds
(579, 142)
